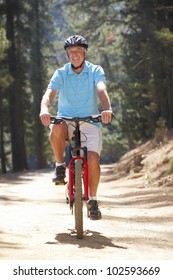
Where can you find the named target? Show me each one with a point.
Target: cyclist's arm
(105, 101)
(46, 102)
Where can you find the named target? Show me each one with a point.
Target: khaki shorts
(91, 136)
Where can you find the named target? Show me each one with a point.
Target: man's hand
(45, 119)
(106, 116)
(46, 101)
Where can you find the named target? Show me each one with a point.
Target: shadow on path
(92, 239)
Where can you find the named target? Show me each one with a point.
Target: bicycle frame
(76, 150)
(78, 171)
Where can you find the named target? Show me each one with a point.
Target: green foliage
(3, 42)
(165, 37)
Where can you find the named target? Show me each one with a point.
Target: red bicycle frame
(71, 177)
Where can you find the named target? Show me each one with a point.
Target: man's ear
(86, 53)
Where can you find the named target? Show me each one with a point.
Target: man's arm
(46, 102)
(105, 101)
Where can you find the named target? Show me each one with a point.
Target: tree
(148, 83)
(4, 83)
(38, 77)
(16, 88)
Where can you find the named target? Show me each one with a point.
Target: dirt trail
(36, 224)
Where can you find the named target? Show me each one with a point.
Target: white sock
(92, 197)
(59, 164)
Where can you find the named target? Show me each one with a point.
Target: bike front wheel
(78, 205)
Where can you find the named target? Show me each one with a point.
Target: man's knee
(58, 130)
(93, 157)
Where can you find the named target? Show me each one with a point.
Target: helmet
(75, 40)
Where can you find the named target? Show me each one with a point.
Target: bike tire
(78, 201)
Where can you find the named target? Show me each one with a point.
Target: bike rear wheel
(78, 201)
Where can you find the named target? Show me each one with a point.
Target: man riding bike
(79, 85)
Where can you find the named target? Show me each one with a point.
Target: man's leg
(94, 178)
(58, 136)
(94, 172)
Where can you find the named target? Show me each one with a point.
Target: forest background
(132, 41)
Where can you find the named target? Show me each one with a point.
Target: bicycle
(77, 185)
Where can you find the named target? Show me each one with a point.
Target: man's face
(76, 55)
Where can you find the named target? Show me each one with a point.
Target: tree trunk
(15, 91)
(37, 85)
(2, 152)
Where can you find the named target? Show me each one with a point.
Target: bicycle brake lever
(96, 118)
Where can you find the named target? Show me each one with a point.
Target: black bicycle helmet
(75, 40)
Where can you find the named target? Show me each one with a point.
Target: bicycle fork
(71, 181)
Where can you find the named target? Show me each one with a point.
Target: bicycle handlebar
(59, 119)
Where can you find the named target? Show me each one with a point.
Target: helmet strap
(75, 68)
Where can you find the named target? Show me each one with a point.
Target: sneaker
(94, 211)
(59, 175)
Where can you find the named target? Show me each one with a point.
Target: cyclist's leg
(93, 172)
(58, 137)
(94, 177)
(92, 138)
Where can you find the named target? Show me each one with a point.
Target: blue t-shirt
(77, 92)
